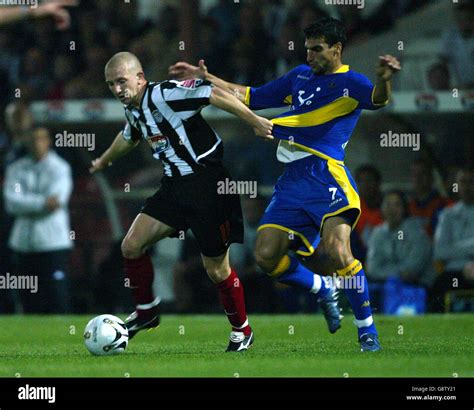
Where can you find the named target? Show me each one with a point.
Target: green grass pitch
(285, 346)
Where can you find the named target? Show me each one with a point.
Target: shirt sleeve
(19, 202)
(379, 263)
(61, 184)
(446, 246)
(416, 255)
(130, 133)
(187, 97)
(361, 89)
(276, 93)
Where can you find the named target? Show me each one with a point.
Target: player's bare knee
(218, 274)
(217, 270)
(131, 248)
(267, 258)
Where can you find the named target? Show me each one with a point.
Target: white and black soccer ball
(106, 335)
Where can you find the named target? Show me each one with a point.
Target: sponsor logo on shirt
(158, 143)
(304, 100)
(192, 83)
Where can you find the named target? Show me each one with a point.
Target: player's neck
(138, 99)
(336, 67)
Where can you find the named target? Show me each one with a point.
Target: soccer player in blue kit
(316, 198)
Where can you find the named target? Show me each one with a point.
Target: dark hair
(369, 169)
(331, 29)
(403, 198)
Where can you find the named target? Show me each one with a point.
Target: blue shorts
(310, 190)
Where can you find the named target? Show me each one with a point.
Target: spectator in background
(454, 243)
(126, 12)
(308, 12)
(457, 49)
(368, 180)
(43, 34)
(90, 27)
(386, 13)
(36, 192)
(352, 19)
(159, 47)
(9, 64)
(399, 259)
(34, 73)
(209, 48)
(64, 71)
(116, 40)
(19, 122)
(426, 202)
(275, 15)
(244, 64)
(225, 15)
(90, 83)
(251, 52)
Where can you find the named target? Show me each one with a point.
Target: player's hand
(388, 65)
(184, 71)
(263, 128)
(97, 165)
(55, 9)
(52, 203)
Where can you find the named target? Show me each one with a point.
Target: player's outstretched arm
(117, 149)
(184, 71)
(227, 102)
(388, 65)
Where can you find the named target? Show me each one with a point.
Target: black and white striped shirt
(169, 119)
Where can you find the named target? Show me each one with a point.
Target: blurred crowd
(456, 52)
(418, 246)
(247, 42)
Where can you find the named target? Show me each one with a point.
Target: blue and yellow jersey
(324, 108)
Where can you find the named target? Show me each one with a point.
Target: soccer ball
(106, 335)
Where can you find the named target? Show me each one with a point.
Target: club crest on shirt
(158, 117)
(158, 143)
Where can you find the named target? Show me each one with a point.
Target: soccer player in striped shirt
(167, 116)
(315, 198)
